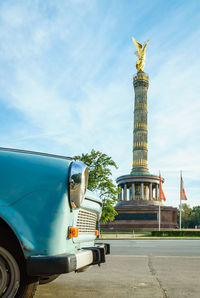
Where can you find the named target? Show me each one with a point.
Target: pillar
(150, 191)
(146, 192)
(125, 192)
(142, 191)
(133, 191)
(130, 193)
(157, 191)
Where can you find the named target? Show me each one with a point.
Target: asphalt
(136, 268)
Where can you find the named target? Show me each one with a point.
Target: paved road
(136, 268)
(156, 247)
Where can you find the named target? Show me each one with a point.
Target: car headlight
(78, 182)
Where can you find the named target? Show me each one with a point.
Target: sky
(66, 71)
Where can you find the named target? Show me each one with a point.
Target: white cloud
(66, 69)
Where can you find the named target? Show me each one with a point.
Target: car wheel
(13, 279)
(9, 274)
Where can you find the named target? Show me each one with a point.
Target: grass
(151, 234)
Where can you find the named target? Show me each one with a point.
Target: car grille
(86, 221)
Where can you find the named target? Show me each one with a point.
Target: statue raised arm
(140, 53)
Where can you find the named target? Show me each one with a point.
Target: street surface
(136, 268)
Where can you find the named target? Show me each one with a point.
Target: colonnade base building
(138, 205)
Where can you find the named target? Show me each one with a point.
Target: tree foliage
(100, 165)
(190, 217)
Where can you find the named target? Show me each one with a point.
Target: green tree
(100, 165)
(187, 216)
(196, 216)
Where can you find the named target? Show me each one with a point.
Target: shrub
(174, 233)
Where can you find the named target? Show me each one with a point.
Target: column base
(139, 170)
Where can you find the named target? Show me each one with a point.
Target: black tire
(15, 282)
(27, 290)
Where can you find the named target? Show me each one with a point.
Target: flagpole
(180, 199)
(159, 208)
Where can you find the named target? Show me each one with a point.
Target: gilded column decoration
(140, 53)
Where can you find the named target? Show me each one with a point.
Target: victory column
(139, 196)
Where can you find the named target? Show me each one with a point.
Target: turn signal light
(73, 205)
(96, 233)
(73, 232)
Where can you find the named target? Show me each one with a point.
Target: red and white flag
(182, 190)
(162, 195)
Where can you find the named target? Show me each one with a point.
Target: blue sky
(66, 70)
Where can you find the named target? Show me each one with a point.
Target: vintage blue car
(48, 221)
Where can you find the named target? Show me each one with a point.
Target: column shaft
(142, 191)
(125, 192)
(133, 191)
(130, 193)
(157, 192)
(150, 191)
(140, 132)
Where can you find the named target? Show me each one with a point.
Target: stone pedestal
(142, 214)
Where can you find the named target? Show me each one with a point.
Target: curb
(151, 238)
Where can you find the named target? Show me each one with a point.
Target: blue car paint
(34, 202)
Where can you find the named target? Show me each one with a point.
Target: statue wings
(138, 53)
(140, 49)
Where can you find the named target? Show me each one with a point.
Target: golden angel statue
(140, 53)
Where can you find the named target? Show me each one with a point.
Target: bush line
(175, 233)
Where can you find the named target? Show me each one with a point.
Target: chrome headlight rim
(77, 183)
